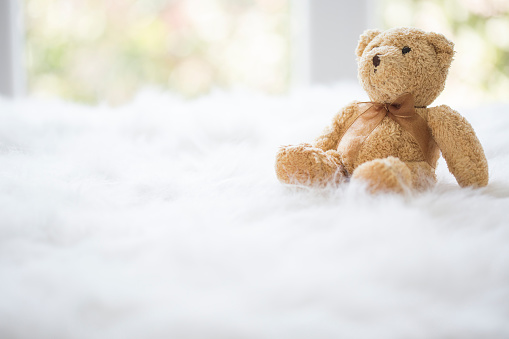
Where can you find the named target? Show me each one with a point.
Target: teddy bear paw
(307, 165)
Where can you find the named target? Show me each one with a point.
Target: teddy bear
(393, 142)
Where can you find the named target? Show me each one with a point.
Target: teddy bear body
(390, 157)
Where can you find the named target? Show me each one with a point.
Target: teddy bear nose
(376, 60)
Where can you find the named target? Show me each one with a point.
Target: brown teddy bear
(393, 142)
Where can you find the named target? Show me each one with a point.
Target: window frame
(12, 56)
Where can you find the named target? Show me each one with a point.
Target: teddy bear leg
(384, 175)
(307, 165)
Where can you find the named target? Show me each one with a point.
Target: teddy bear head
(403, 60)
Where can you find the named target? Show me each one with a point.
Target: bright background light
(480, 32)
(106, 50)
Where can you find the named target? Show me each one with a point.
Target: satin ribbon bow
(402, 111)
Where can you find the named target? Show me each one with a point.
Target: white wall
(325, 35)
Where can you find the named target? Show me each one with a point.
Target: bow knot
(402, 111)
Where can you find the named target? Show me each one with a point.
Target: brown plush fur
(390, 159)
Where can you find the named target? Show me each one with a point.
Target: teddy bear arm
(332, 134)
(460, 146)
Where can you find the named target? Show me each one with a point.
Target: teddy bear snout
(376, 60)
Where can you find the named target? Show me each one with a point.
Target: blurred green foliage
(106, 50)
(480, 31)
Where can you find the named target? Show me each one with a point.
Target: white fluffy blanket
(164, 219)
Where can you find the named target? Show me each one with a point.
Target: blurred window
(480, 32)
(106, 50)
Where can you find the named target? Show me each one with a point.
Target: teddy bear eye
(405, 50)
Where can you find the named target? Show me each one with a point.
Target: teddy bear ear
(365, 39)
(444, 49)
